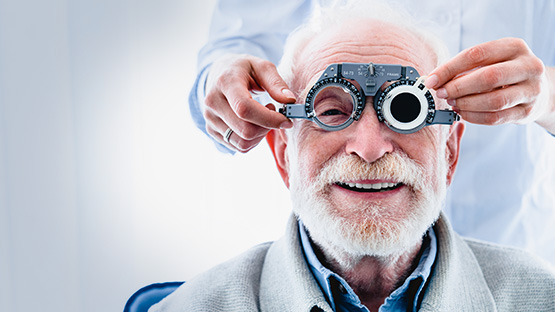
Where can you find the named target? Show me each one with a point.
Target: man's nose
(370, 139)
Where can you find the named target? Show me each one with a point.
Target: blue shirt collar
(341, 296)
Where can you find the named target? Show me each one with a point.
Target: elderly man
(367, 188)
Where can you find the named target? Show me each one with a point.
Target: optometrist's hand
(229, 103)
(498, 82)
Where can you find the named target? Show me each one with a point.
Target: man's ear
(277, 140)
(453, 146)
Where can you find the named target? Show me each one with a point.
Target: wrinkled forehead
(362, 41)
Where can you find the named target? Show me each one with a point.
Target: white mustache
(396, 167)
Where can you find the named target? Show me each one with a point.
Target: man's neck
(374, 278)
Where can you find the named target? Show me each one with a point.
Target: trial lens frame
(370, 78)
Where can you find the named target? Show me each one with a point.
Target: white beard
(347, 232)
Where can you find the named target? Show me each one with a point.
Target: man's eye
(332, 112)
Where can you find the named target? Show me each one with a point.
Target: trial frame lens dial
(405, 106)
(334, 103)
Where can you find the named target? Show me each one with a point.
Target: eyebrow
(329, 94)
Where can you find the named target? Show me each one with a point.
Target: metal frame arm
(445, 117)
(294, 111)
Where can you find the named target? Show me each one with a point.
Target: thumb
(269, 79)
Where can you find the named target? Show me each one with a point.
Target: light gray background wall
(105, 184)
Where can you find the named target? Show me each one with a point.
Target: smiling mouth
(369, 188)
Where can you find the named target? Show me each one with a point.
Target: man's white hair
(334, 14)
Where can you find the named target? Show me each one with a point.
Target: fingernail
(286, 125)
(288, 93)
(452, 103)
(441, 93)
(431, 82)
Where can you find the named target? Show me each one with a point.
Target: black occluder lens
(405, 107)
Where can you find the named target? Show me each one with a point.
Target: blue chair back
(149, 295)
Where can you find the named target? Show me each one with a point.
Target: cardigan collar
(286, 283)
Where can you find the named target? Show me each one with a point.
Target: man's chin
(383, 239)
(347, 240)
(346, 250)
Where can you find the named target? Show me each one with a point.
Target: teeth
(375, 186)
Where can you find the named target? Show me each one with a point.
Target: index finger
(248, 109)
(480, 55)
